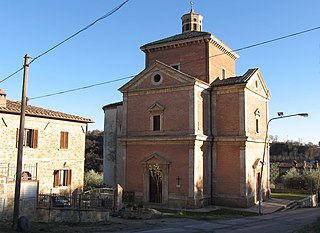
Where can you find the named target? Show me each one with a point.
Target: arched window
(25, 175)
(257, 118)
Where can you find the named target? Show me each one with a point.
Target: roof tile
(14, 107)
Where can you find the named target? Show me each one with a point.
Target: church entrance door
(155, 189)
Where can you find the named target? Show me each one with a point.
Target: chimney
(3, 98)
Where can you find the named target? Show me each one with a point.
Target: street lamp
(280, 116)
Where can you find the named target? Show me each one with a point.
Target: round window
(157, 78)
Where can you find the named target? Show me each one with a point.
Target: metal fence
(29, 171)
(82, 201)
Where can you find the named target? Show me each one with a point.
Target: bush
(293, 179)
(93, 180)
(309, 179)
(312, 179)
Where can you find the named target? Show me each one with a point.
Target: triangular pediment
(158, 75)
(155, 159)
(156, 107)
(257, 85)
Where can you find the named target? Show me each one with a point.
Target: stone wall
(48, 156)
(71, 215)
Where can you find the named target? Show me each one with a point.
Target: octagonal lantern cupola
(191, 21)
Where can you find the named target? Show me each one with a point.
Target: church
(189, 132)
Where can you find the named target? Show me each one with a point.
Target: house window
(156, 123)
(64, 140)
(62, 178)
(30, 138)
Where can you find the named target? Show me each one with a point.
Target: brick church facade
(188, 115)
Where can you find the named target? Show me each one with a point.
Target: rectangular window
(223, 73)
(64, 140)
(156, 123)
(257, 125)
(30, 138)
(62, 178)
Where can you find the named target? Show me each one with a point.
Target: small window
(176, 66)
(257, 118)
(157, 78)
(62, 177)
(257, 125)
(26, 175)
(30, 138)
(64, 140)
(194, 26)
(223, 73)
(156, 123)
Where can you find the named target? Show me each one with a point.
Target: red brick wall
(227, 114)
(228, 169)
(192, 59)
(178, 154)
(175, 116)
(218, 60)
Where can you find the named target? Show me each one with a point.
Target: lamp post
(280, 116)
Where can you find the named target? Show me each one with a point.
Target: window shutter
(56, 178)
(61, 140)
(64, 140)
(69, 177)
(35, 139)
(66, 135)
(17, 137)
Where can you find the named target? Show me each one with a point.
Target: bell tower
(191, 21)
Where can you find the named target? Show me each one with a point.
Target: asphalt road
(283, 222)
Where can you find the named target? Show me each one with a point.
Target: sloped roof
(14, 107)
(113, 105)
(182, 36)
(235, 80)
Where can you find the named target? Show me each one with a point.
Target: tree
(157, 176)
(308, 179)
(94, 151)
(92, 180)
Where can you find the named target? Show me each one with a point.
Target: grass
(214, 214)
(289, 196)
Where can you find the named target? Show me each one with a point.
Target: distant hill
(293, 151)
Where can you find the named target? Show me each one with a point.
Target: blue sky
(110, 50)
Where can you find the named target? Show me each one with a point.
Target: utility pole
(16, 209)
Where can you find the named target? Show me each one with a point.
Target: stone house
(189, 114)
(53, 153)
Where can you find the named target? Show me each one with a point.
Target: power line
(235, 50)
(69, 38)
(81, 88)
(276, 39)
(11, 75)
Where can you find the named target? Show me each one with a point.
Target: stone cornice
(223, 47)
(168, 139)
(208, 38)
